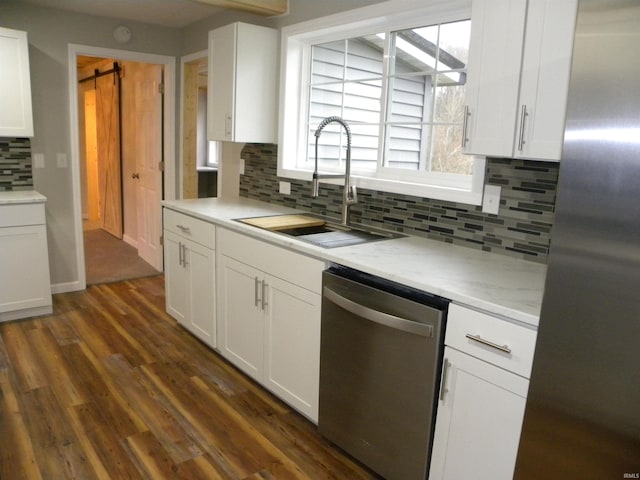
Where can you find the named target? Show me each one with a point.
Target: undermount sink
(317, 231)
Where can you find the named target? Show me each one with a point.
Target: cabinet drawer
(189, 227)
(279, 262)
(22, 214)
(499, 334)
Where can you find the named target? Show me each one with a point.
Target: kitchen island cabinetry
(269, 317)
(487, 363)
(241, 105)
(25, 286)
(190, 273)
(16, 117)
(518, 77)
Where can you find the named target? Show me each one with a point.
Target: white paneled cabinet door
(241, 323)
(24, 268)
(292, 346)
(544, 84)
(175, 275)
(16, 117)
(242, 83)
(495, 54)
(190, 285)
(478, 421)
(199, 264)
(518, 77)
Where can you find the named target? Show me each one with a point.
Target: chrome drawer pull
(479, 339)
(183, 228)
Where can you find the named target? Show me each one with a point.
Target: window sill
(471, 196)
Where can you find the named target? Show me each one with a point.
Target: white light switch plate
(38, 160)
(491, 199)
(241, 167)
(61, 160)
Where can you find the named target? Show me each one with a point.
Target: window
(400, 87)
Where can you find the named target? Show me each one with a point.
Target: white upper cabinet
(243, 62)
(16, 117)
(518, 77)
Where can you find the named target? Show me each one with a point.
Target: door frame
(184, 60)
(169, 130)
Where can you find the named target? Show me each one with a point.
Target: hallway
(108, 259)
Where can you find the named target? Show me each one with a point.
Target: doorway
(200, 157)
(168, 140)
(120, 135)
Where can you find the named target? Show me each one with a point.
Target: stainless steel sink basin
(327, 234)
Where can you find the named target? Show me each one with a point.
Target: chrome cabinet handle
(184, 228)
(227, 126)
(465, 122)
(180, 254)
(184, 255)
(265, 286)
(445, 375)
(523, 116)
(479, 339)
(382, 318)
(255, 291)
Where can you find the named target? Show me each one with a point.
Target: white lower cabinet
(481, 405)
(25, 286)
(269, 317)
(479, 420)
(190, 274)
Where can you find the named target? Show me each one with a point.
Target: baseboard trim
(67, 287)
(130, 240)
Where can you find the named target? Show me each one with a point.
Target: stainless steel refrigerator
(583, 410)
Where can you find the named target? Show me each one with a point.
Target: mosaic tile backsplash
(521, 229)
(15, 164)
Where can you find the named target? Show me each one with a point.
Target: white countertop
(497, 284)
(21, 196)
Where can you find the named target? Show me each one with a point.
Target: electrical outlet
(241, 166)
(491, 199)
(285, 188)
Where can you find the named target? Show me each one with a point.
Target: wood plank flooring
(110, 387)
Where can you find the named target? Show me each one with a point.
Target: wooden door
(109, 163)
(148, 154)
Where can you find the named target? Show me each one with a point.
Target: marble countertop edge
(497, 284)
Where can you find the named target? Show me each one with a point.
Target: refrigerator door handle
(479, 339)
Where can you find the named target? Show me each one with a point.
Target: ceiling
(168, 13)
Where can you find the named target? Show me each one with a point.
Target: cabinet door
(493, 74)
(544, 83)
(240, 317)
(16, 117)
(478, 421)
(242, 81)
(175, 278)
(292, 345)
(200, 270)
(24, 268)
(221, 91)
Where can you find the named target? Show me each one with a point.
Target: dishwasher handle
(397, 323)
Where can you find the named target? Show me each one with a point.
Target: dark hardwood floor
(110, 387)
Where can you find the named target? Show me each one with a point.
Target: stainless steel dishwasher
(380, 361)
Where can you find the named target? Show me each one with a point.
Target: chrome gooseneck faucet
(349, 194)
